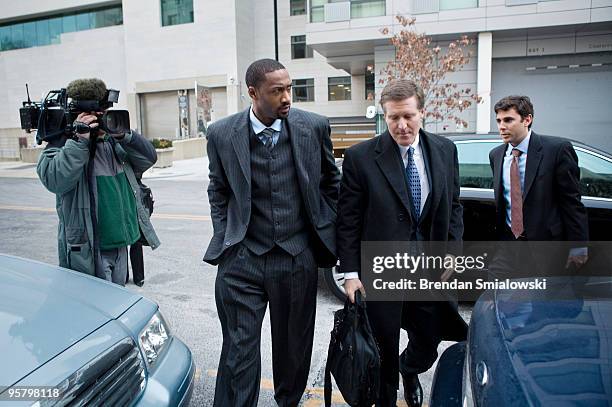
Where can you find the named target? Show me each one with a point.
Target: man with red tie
(536, 183)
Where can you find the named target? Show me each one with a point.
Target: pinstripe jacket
(229, 190)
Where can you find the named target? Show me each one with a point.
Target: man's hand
(88, 119)
(352, 285)
(449, 271)
(577, 261)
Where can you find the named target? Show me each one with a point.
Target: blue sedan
(70, 339)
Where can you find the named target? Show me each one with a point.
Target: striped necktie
(266, 136)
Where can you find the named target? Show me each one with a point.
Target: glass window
(339, 88)
(55, 30)
(367, 8)
(303, 90)
(42, 33)
(45, 31)
(370, 91)
(113, 16)
(17, 36)
(82, 21)
(595, 174)
(474, 167)
(97, 19)
(176, 12)
(299, 49)
(317, 11)
(457, 4)
(69, 24)
(297, 7)
(29, 34)
(5, 37)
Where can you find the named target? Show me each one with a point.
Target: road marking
(268, 384)
(318, 392)
(202, 218)
(166, 216)
(26, 208)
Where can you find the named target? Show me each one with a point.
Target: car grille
(114, 378)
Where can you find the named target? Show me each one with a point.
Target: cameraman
(98, 200)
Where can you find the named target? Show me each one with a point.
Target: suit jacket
(229, 190)
(552, 209)
(374, 205)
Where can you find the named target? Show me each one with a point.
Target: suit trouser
(245, 284)
(422, 322)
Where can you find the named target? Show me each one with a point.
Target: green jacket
(63, 170)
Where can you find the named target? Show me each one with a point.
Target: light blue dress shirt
(258, 127)
(522, 163)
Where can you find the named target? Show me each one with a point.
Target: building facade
(558, 51)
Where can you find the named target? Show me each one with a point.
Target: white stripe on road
(167, 216)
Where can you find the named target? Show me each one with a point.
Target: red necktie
(516, 196)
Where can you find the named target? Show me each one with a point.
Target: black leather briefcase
(353, 357)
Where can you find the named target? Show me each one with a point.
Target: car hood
(46, 309)
(560, 349)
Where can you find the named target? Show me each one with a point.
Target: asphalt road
(176, 277)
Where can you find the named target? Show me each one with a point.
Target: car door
(596, 191)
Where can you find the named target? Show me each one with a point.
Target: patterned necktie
(414, 182)
(267, 135)
(516, 195)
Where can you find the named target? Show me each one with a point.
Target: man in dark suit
(536, 183)
(273, 192)
(401, 186)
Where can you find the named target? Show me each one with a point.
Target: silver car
(70, 339)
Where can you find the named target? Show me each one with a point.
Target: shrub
(161, 143)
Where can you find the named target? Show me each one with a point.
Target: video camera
(55, 115)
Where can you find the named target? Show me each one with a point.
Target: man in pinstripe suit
(273, 192)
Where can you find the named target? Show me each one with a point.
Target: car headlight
(153, 338)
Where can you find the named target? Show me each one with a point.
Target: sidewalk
(195, 169)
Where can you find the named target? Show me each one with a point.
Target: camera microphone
(93, 89)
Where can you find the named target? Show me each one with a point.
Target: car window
(474, 168)
(595, 174)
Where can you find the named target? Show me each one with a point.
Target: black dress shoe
(139, 283)
(413, 392)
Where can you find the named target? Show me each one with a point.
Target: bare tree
(418, 60)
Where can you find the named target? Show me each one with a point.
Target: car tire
(335, 282)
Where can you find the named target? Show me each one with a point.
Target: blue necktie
(414, 182)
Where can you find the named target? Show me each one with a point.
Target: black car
(525, 349)
(478, 201)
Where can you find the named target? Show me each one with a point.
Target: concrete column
(485, 65)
